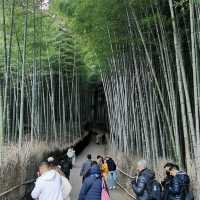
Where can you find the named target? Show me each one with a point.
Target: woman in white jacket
(48, 185)
(66, 186)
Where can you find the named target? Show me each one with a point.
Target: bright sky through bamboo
(45, 5)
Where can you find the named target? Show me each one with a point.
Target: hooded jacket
(92, 185)
(178, 186)
(85, 167)
(48, 187)
(140, 186)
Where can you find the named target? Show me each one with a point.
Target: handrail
(123, 188)
(17, 187)
(32, 180)
(126, 174)
(127, 192)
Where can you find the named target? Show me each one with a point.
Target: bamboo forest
(129, 67)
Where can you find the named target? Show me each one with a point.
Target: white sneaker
(114, 187)
(110, 188)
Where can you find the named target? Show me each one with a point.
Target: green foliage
(47, 43)
(87, 28)
(99, 24)
(90, 21)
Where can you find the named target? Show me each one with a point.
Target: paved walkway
(76, 180)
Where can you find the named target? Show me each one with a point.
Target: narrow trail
(76, 180)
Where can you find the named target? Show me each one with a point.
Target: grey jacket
(85, 167)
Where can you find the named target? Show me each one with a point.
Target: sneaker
(110, 188)
(114, 187)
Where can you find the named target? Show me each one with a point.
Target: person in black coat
(66, 166)
(167, 181)
(112, 173)
(140, 183)
(111, 164)
(179, 186)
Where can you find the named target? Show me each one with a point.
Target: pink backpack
(104, 192)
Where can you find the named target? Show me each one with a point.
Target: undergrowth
(17, 167)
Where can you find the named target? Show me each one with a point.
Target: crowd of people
(53, 182)
(53, 178)
(99, 176)
(175, 186)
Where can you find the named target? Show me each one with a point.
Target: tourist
(179, 186)
(99, 160)
(112, 174)
(93, 164)
(104, 169)
(53, 165)
(66, 186)
(86, 166)
(92, 185)
(167, 181)
(72, 154)
(48, 184)
(143, 185)
(66, 166)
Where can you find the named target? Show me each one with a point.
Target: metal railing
(16, 187)
(126, 174)
(122, 187)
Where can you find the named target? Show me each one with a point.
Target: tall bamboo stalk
(21, 123)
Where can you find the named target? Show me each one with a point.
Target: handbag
(104, 191)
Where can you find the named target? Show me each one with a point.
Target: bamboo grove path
(76, 180)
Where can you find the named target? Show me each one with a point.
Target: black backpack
(154, 189)
(185, 181)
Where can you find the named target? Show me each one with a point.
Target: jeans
(112, 177)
